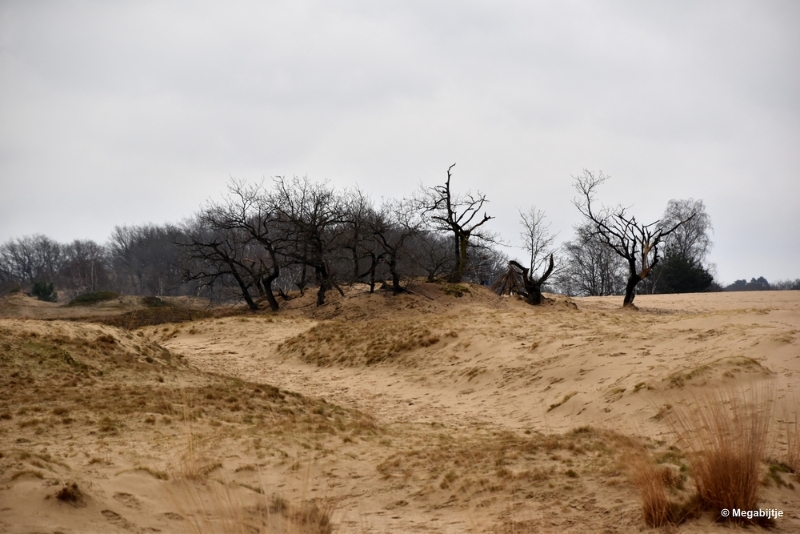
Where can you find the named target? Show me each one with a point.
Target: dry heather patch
(53, 383)
(99, 405)
(720, 369)
(364, 342)
(482, 469)
(160, 314)
(726, 435)
(215, 507)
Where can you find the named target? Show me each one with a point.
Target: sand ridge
(423, 413)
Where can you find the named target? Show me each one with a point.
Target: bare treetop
(459, 214)
(636, 242)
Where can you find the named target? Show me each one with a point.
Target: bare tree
(637, 243)
(538, 241)
(456, 214)
(536, 237)
(357, 238)
(85, 267)
(393, 227)
(589, 267)
(250, 209)
(315, 218)
(430, 252)
(146, 259)
(31, 258)
(691, 239)
(216, 252)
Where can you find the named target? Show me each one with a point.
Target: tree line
(262, 242)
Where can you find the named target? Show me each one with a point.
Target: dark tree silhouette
(518, 280)
(459, 215)
(44, 290)
(358, 212)
(430, 252)
(315, 217)
(217, 253)
(637, 243)
(682, 274)
(248, 208)
(393, 227)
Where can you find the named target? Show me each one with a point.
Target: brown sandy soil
(418, 413)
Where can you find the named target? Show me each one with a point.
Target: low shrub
(44, 291)
(87, 299)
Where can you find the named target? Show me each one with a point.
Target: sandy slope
(508, 366)
(471, 416)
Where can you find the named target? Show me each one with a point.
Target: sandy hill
(444, 410)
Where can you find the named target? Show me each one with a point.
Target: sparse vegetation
(366, 342)
(92, 402)
(70, 493)
(793, 444)
(652, 482)
(726, 436)
(156, 315)
(87, 299)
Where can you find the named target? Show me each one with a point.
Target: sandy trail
(616, 367)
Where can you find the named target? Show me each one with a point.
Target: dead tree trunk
(518, 280)
(533, 286)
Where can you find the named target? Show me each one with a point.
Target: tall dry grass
(793, 443)
(220, 506)
(649, 480)
(216, 505)
(726, 435)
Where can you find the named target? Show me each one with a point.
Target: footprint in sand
(128, 500)
(116, 519)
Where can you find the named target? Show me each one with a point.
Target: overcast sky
(117, 113)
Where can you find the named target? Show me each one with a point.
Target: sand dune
(427, 412)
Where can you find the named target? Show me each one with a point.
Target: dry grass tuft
(649, 481)
(71, 494)
(726, 437)
(212, 506)
(793, 444)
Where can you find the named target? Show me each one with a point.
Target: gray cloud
(128, 112)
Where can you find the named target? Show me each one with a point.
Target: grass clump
(655, 504)
(726, 435)
(652, 482)
(71, 494)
